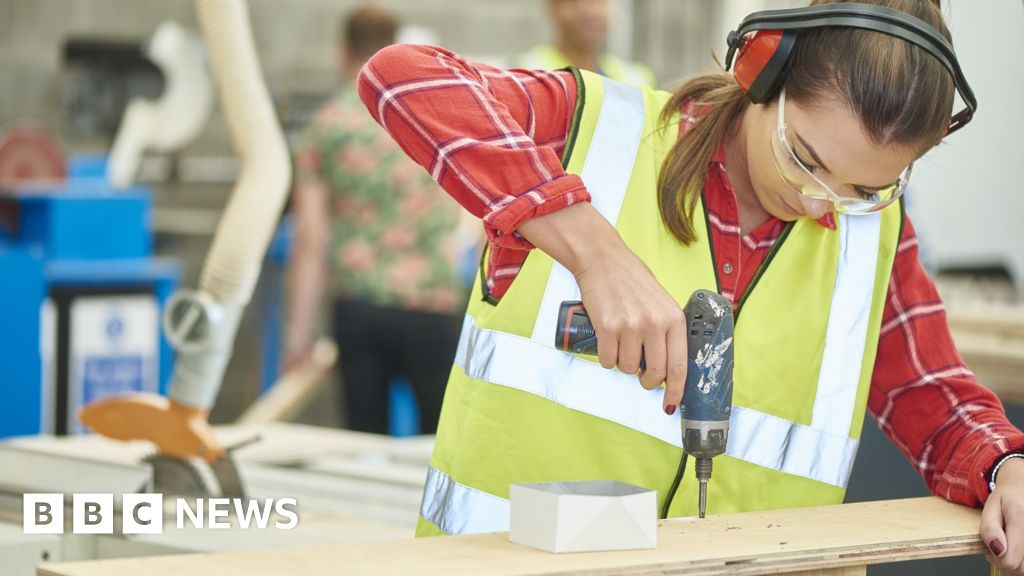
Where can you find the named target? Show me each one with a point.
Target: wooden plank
(770, 542)
(990, 337)
(851, 571)
(1006, 320)
(383, 471)
(997, 361)
(280, 443)
(294, 391)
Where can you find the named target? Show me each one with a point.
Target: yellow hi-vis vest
(518, 410)
(548, 57)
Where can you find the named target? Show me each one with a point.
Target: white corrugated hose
(245, 230)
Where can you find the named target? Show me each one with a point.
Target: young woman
(632, 199)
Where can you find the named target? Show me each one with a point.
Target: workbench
(832, 540)
(351, 487)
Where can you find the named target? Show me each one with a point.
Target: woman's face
(828, 140)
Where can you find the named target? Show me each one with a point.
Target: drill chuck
(705, 439)
(703, 469)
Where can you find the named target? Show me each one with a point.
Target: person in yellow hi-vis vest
(581, 27)
(777, 184)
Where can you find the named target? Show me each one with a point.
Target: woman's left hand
(1002, 520)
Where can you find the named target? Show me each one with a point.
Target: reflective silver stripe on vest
(606, 173)
(843, 357)
(520, 363)
(779, 444)
(459, 509)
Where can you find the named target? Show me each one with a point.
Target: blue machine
(80, 302)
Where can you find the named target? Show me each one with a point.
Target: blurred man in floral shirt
(372, 225)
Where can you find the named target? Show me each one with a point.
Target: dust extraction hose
(235, 258)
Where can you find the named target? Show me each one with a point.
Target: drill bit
(703, 475)
(702, 500)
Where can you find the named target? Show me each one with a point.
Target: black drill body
(707, 395)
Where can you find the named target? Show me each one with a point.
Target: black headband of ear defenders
(867, 17)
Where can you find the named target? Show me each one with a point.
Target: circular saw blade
(228, 477)
(30, 153)
(181, 477)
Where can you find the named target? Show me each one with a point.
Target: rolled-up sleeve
(491, 138)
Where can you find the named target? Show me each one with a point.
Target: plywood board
(279, 443)
(772, 542)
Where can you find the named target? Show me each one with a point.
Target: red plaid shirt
(493, 139)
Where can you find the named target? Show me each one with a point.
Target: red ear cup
(760, 62)
(753, 54)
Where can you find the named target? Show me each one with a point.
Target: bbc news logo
(144, 513)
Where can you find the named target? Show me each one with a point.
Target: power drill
(707, 395)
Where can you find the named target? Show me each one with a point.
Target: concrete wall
(296, 41)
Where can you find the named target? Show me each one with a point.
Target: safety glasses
(799, 174)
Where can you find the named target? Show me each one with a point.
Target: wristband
(992, 482)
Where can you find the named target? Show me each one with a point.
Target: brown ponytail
(685, 169)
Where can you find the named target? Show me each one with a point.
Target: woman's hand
(1002, 520)
(631, 312)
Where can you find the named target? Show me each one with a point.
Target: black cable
(675, 487)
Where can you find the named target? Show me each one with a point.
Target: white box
(583, 516)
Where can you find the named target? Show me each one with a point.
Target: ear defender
(764, 41)
(760, 61)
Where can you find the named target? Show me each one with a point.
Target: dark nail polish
(996, 547)
(671, 409)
